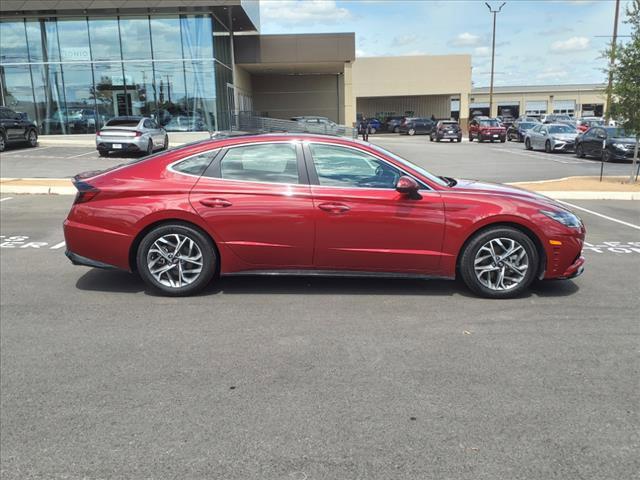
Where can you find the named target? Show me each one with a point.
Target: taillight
(86, 192)
(98, 133)
(138, 134)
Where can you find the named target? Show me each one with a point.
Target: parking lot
(318, 378)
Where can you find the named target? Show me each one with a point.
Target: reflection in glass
(16, 89)
(49, 39)
(13, 46)
(80, 111)
(73, 36)
(50, 102)
(165, 33)
(34, 40)
(111, 99)
(138, 41)
(197, 41)
(171, 90)
(201, 100)
(105, 39)
(140, 88)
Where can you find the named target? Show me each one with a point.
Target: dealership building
(70, 65)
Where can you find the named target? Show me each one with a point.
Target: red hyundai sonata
(313, 205)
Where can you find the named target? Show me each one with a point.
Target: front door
(363, 223)
(256, 201)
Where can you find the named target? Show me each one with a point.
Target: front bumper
(564, 146)
(575, 270)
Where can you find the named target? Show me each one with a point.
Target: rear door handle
(334, 207)
(215, 202)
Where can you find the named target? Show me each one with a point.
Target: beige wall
(579, 96)
(422, 106)
(413, 76)
(285, 96)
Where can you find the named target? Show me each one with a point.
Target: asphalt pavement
(498, 162)
(282, 378)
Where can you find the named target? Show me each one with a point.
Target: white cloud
(465, 39)
(552, 74)
(303, 12)
(481, 51)
(403, 40)
(573, 44)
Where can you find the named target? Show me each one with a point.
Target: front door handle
(215, 202)
(334, 207)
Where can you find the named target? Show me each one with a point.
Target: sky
(537, 41)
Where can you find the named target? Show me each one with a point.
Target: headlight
(620, 146)
(567, 219)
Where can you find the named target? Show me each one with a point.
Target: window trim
(214, 170)
(315, 181)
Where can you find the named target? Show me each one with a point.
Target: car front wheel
(411, 131)
(606, 156)
(176, 260)
(579, 151)
(32, 138)
(3, 142)
(500, 262)
(527, 144)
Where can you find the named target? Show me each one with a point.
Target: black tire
(580, 151)
(103, 153)
(470, 138)
(204, 243)
(431, 138)
(3, 142)
(467, 261)
(527, 144)
(149, 150)
(502, 139)
(32, 138)
(450, 140)
(166, 142)
(437, 139)
(396, 129)
(547, 146)
(606, 156)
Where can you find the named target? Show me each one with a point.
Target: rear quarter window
(195, 165)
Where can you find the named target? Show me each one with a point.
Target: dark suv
(417, 126)
(16, 128)
(446, 129)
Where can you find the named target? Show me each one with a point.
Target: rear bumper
(127, 144)
(87, 262)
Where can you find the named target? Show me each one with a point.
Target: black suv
(446, 129)
(16, 128)
(416, 126)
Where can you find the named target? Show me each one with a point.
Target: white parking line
(572, 161)
(637, 227)
(82, 154)
(22, 151)
(5, 199)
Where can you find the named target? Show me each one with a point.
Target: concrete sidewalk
(572, 188)
(89, 140)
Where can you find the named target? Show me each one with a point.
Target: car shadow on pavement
(124, 282)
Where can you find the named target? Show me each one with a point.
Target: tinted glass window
(122, 123)
(561, 129)
(195, 165)
(616, 132)
(276, 163)
(345, 167)
(489, 123)
(105, 39)
(137, 39)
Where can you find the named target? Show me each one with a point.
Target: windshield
(489, 123)
(616, 132)
(561, 129)
(527, 125)
(413, 166)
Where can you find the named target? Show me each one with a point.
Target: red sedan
(313, 205)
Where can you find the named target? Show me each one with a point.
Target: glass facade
(71, 75)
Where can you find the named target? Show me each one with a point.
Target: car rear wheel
(527, 144)
(176, 260)
(32, 138)
(149, 150)
(579, 151)
(500, 262)
(547, 146)
(3, 142)
(166, 142)
(606, 156)
(103, 153)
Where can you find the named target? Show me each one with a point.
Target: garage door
(564, 106)
(536, 107)
(479, 105)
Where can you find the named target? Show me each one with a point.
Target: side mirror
(408, 186)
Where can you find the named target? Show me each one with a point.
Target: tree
(625, 85)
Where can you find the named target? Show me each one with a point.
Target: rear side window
(195, 165)
(273, 163)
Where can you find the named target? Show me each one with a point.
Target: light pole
(612, 61)
(493, 51)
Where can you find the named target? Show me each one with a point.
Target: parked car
(15, 128)
(558, 118)
(485, 128)
(552, 137)
(518, 130)
(446, 129)
(416, 126)
(183, 123)
(131, 134)
(528, 118)
(300, 204)
(586, 123)
(618, 145)
(314, 124)
(505, 121)
(65, 122)
(392, 124)
(375, 125)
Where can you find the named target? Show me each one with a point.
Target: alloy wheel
(33, 138)
(501, 264)
(175, 260)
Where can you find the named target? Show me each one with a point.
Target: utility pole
(612, 60)
(493, 51)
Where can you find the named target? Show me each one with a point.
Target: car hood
(564, 136)
(503, 190)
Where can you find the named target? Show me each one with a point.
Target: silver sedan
(131, 134)
(552, 137)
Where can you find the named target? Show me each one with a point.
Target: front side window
(344, 167)
(273, 163)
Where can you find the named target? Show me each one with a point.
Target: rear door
(362, 222)
(257, 202)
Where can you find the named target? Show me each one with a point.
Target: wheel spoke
(501, 264)
(175, 260)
